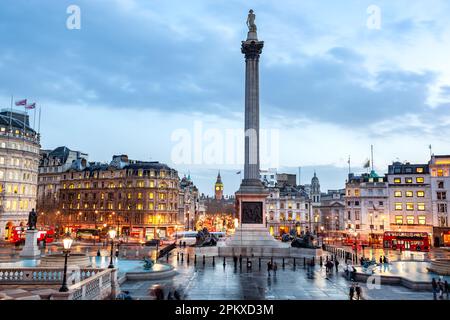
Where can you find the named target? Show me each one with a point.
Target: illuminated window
(397, 180)
(102, 196)
(151, 195)
(440, 173)
(420, 194)
(152, 183)
(398, 206)
(409, 194)
(140, 184)
(422, 220)
(419, 170)
(397, 194)
(410, 219)
(162, 196)
(128, 195)
(140, 206)
(357, 192)
(71, 186)
(408, 180)
(399, 219)
(150, 206)
(78, 196)
(420, 180)
(421, 206)
(139, 195)
(410, 206)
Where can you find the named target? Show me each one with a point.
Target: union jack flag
(31, 106)
(21, 102)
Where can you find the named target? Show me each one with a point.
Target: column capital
(252, 49)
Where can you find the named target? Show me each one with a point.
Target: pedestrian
(351, 292)
(321, 262)
(269, 267)
(275, 268)
(358, 292)
(240, 260)
(353, 274)
(384, 259)
(440, 288)
(176, 295)
(435, 287)
(235, 261)
(336, 264)
(446, 288)
(381, 259)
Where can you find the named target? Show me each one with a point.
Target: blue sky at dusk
(137, 71)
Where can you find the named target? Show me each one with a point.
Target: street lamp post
(67, 243)
(112, 235)
(356, 245)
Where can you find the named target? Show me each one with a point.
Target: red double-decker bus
(413, 241)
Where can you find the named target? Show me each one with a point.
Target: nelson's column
(252, 237)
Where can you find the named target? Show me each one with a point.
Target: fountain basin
(440, 266)
(159, 271)
(57, 260)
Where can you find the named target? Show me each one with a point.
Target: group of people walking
(330, 263)
(439, 287)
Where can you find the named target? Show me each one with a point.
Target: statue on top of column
(32, 220)
(251, 21)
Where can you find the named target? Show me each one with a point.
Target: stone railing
(83, 283)
(44, 275)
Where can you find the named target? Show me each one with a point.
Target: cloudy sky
(163, 80)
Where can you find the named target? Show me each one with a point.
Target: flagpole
(10, 114)
(39, 122)
(371, 152)
(34, 119)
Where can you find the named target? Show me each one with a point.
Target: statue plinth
(31, 249)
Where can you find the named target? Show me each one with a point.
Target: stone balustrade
(83, 283)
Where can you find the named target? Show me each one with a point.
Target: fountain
(440, 266)
(57, 260)
(151, 270)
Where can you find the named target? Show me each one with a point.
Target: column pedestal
(31, 249)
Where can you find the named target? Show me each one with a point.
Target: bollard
(214, 261)
(259, 263)
(195, 259)
(283, 263)
(203, 259)
(313, 262)
(178, 256)
(304, 262)
(182, 257)
(187, 260)
(224, 261)
(294, 263)
(167, 257)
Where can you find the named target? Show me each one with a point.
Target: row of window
(409, 194)
(18, 146)
(121, 174)
(129, 184)
(129, 195)
(120, 206)
(422, 220)
(18, 189)
(409, 180)
(410, 206)
(16, 175)
(12, 205)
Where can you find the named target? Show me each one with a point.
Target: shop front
(441, 236)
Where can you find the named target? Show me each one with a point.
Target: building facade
(367, 207)
(440, 197)
(140, 199)
(410, 202)
(19, 161)
(52, 164)
(188, 203)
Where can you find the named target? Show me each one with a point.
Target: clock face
(217, 188)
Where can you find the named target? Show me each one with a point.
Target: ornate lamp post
(112, 235)
(67, 243)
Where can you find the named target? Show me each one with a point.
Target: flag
(31, 106)
(367, 164)
(21, 102)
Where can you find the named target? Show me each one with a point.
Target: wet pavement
(208, 282)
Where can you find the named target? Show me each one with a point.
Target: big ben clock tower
(218, 188)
